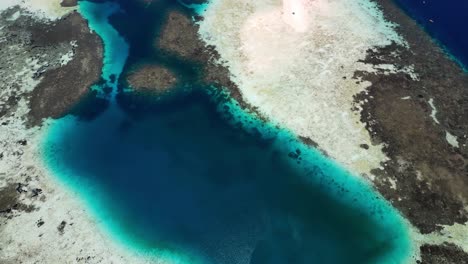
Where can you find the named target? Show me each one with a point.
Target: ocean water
(446, 21)
(193, 178)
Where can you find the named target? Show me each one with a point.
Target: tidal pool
(195, 179)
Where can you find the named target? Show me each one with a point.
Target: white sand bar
(33, 237)
(289, 59)
(44, 9)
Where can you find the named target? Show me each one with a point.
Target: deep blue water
(449, 26)
(192, 178)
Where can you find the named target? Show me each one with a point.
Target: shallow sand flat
(48, 224)
(58, 229)
(41, 221)
(290, 69)
(81, 236)
(306, 74)
(43, 9)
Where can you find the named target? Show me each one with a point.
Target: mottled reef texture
(431, 174)
(179, 37)
(443, 254)
(151, 78)
(45, 67)
(49, 66)
(64, 57)
(69, 3)
(61, 88)
(10, 200)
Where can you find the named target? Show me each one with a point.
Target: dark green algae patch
(192, 178)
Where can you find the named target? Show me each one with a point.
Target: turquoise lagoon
(193, 178)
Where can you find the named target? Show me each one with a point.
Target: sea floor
(195, 177)
(244, 156)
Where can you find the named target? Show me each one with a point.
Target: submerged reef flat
(44, 60)
(179, 37)
(306, 74)
(371, 88)
(251, 198)
(151, 78)
(224, 188)
(42, 221)
(79, 69)
(69, 3)
(423, 122)
(359, 80)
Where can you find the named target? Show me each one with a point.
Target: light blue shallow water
(197, 179)
(115, 48)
